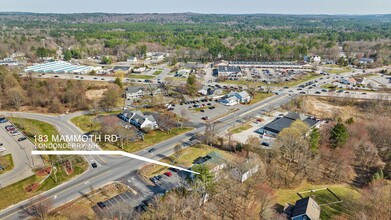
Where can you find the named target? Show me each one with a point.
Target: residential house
(360, 81)
(244, 171)
(182, 73)
(138, 119)
(139, 69)
(349, 81)
(366, 60)
(157, 56)
(131, 60)
(304, 209)
(214, 161)
(230, 101)
(205, 90)
(133, 92)
(234, 98)
(276, 126)
(126, 69)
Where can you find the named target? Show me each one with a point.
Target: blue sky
(201, 6)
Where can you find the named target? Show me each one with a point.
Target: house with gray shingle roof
(138, 119)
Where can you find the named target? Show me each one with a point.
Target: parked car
(266, 144)
(22, 138)
(15, 133)
(93, 164)
(101, 205)
(168, 173)
(153, 179)
(10, 128)
(205, 118)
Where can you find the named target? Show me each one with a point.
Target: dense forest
(199, 37)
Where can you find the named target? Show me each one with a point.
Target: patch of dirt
(322, 109)
(68, 168)
(44, 172)
(32, 187)
(95, 93)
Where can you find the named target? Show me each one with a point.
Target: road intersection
(112, 168)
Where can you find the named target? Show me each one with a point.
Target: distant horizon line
(199, 13)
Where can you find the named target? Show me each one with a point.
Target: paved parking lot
(24, 162)
(141, 190)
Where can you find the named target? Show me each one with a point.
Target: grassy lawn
(321, 197)
(176, 79)
(140, 76)
(339, 70)
(259, 96)
(16, 192)
(157, 72)
(240, 129)
(331, 65)
(86, 123)
(150, 139)
(7, 162)
(185, 159)
(31, 127)
(308, 77)
(329, 86)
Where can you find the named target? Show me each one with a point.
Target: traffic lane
(83, 184)
(72, 189)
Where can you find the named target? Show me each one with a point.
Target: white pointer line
(122, 153)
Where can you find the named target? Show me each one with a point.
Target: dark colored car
(266, 144)
(152, 150)
(101, 205)
(205, 118)
(94, 165)
(22, 138)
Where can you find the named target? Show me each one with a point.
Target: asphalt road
(112, 167)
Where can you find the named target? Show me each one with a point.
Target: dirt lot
(95, 94)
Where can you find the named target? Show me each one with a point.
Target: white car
(15, 133)
(2, 149)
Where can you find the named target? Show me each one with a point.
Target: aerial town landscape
(236, 115)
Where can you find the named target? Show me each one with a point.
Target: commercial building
(60, 67)
(270, 65)
(276, 126)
